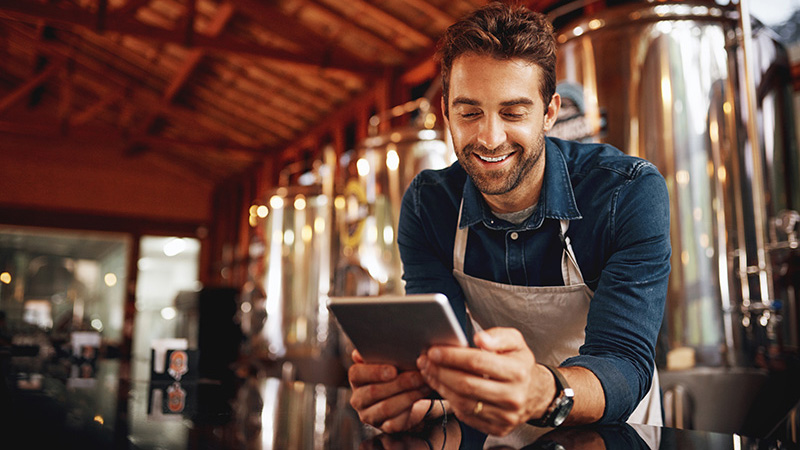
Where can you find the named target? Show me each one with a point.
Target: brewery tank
(665, 81)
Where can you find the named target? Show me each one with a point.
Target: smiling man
(555, 253)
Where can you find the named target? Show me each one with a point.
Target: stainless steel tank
(296, 278)
(665, 81)
(369, 191)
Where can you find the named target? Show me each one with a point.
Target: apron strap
(570, 271)
(460, 245)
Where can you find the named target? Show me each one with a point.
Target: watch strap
(562, 400)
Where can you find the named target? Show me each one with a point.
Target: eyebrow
(473, 102)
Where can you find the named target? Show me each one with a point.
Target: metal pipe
(764, 278)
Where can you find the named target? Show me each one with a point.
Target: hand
(385, 399)
(501, 373)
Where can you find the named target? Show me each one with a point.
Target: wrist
(546, 387)
(560, 404)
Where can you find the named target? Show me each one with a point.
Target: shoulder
(585, 160)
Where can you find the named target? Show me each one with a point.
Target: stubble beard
(498, 182)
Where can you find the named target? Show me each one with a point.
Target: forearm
(589, 396)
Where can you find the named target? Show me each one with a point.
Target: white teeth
(497, 159)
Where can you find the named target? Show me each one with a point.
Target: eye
(514, 114)
(469, 114)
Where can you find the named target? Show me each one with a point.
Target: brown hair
(503, 32)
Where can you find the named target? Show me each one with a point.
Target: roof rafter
(59, 17)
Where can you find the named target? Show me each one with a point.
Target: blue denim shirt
(618, 208)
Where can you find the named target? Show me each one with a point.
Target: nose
(492, 133)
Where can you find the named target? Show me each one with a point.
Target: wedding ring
(477, 409)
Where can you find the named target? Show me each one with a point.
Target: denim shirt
(618, 208)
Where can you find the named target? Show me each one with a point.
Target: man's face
(498, 120)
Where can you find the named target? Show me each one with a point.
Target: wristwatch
(559, 409)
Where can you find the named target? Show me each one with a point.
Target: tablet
(396, 329)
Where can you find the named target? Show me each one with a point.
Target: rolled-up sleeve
(627, 309)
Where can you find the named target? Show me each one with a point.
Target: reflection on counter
(257, 412)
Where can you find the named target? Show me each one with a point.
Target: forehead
(487, 79)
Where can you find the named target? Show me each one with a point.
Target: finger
(361, 374)
(390, 408)
(369, 394)
(500, 340)
(357, 358)
(479, 363)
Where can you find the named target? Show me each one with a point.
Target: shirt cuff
(619, 399)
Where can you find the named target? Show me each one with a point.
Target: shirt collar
(556, 201)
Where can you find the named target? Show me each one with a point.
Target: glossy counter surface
(107, 411)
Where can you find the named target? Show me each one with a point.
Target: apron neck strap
(570, 271)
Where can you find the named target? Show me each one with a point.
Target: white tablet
(396, 329)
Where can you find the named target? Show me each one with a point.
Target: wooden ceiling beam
(399, 26)
(49, 130)
(442, 19)
(181, 77)
(346, 26)
(26, 88)
(95, 108)
(67, 18)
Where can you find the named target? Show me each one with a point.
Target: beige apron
(551, 318)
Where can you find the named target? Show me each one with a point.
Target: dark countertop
(259, 412)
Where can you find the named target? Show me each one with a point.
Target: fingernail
(422, 363)
(435, 355)
(387, 374)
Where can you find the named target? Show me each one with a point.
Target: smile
(493, 160)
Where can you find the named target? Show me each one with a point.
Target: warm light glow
(339, 202)
(430, 120)
(110, 279)
(595, 24)
(300, 203)
(174, 247)
(288, 237)
(319, 225)
(388, 234)
(306, 233)
(5, 277)
(276, 202)
(682, 177)
(168, 313)
(427, 135)
(577, 31)
(722, 174)
(392, 160)
(363, 167)
(666, 90)
(253, 209)
(97, 324)
(726, 107)
(262, 211)
(246, 307)
(685, 257)
(99, 419)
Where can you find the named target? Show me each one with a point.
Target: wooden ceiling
(210, 86)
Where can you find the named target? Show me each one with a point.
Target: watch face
(562, 411)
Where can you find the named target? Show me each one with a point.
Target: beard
(504, 180)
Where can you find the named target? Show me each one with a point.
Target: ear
(551, 114)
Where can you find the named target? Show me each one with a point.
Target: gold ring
(477, 409)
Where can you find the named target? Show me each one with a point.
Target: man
(509, 233)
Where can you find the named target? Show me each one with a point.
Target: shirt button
(514, 235)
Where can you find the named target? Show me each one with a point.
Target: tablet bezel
(408, 325)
